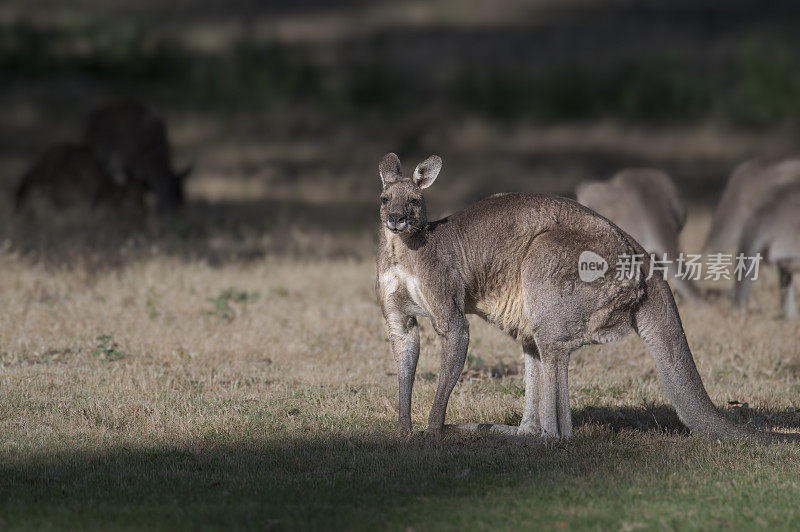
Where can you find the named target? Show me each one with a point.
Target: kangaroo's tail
(659, 325)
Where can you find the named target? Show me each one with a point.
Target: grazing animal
(68, 175)
(131, 143)
(749, 185)
(645, 203)
(513, 260)
(773, 230)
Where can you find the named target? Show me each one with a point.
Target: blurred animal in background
(130, 142)
(644, 203)
(773, 230)
(124, 162)
(750, 184)
(66, 176)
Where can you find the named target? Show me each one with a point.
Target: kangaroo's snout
(396, 222)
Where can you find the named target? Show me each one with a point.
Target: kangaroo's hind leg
(455, 340)
(554, 412)
(530, 424)
(787, 293)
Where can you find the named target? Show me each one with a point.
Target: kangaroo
(645, 203)
(512, 259)
(68, 175)
(749, 185)
(774, 231)
(131, 143)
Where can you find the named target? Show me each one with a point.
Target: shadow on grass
(360, 482)
(664, 419)
(369, 480)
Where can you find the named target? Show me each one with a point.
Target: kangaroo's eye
(384, 200)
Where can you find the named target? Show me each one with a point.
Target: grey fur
(773, 230)
(646, 204)
(513, 260)
(130, 141)
(66, 176)
(750, 184)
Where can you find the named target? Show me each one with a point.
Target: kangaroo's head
(402, 204)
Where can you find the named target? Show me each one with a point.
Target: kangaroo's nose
(395, 222)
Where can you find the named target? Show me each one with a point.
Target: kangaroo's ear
(390, 169)
(426, 171)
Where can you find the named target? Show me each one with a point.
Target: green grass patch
(600, 480)
(226, 303)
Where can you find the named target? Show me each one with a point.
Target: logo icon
(591, 266)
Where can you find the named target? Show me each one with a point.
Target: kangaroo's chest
(404, 290)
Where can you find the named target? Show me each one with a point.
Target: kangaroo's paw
(503, 432)
(529, 430)
(492, 428)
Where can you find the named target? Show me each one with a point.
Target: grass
(107, 349)
(224, 304)
(283, 417)
(232, 371)
(602, 480)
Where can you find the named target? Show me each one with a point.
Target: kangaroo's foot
(530, 428)
(403, 430)
(434, 434)
(492, 428)
(530, 425)
(501, 432)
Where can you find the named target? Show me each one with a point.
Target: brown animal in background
(774, 231)
(645, 203)
(68, 175)
(513, 260)
(749, 185)
(130, 141)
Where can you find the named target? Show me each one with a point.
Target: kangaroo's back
(774, 227)
(65, 175)
(498, 230)
(520, 252)
(750, 184)
(642, 201)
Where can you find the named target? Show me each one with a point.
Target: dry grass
(261, 378)
(229, 369)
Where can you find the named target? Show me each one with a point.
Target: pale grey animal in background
(645, 203)
(749, 185)
(773, 230)
(513, 260)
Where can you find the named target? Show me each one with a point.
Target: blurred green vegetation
(123, 52)
(760, 86)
